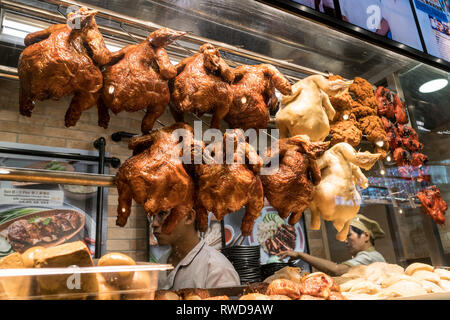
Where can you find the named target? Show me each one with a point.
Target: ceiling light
(433, 85)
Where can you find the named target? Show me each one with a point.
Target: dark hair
(359, 232)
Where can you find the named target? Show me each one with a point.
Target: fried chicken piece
(363, 92)
(286, 288)
(362, 111)
(432, 204)
(254, 94)
(226, 187)
(155, 176)
(373, 128)
(202, 85)
(60, 61)
(137, 79)
(345, 131)
(317, 284)
(290, 189)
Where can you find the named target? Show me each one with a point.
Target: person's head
(362, 234)
(187, 226)
(358, 240)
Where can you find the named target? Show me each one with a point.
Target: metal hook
(129, 34)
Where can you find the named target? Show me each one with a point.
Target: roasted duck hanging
(60, 61)
(290, 188)
(254, 94)
(155, 176)
(202, 85)
(137, 78)
(225, 187)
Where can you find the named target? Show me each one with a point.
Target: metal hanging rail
(48, 176)
(150, 26)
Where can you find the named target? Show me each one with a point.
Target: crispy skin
(432, 204)
(290, 189)
(254, 94)
(363, 108)
(155, 177)
(202, 85)
(286, 288)
(58, 63)
(138, 79)
(363, 92)
(317, 284)
(345, 131)
(225, 188)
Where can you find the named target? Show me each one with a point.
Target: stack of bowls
(270, 268)
(246, 261)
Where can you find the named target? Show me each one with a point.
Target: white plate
(253, 239)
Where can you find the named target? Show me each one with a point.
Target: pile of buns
(102, 286)
(381, 280)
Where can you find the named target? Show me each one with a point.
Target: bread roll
(166, 295)
(117, 279)
(141, 287)
(105, 291)
(418, 266)
(14, 287)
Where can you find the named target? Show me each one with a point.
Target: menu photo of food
(48, 214)
(24, 227)
(275, 235)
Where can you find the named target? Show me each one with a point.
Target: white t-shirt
(203, 267)
(401, 22)
(362, 13)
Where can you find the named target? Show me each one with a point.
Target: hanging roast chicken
(137, 78)
(230, 180)
(336, 198)
(202, 85)
(290, 188)
(308, 111)
(254, 94)
(60, 61)
(155, 176)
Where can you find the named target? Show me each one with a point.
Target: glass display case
(246, 32)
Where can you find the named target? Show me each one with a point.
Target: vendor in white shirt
(196, 265)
